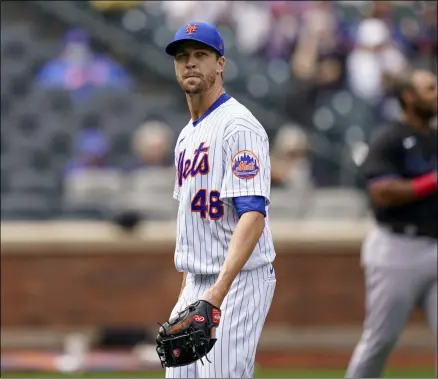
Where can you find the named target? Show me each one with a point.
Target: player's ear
(220, 65)
(408, 96)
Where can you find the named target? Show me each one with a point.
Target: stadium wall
(90, 274)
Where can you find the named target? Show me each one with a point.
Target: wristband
(425, 185)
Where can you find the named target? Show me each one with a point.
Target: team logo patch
(199, 318)
(245, 165)
(216, 316)
(176, 352)
(190, 29)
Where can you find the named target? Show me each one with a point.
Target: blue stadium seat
(26, 206)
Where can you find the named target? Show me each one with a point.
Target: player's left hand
(188, 336)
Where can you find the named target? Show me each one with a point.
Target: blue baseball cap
(199, 32)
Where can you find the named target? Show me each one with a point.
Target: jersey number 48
(208, 204)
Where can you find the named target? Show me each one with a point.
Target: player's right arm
(386, 187)
(246, 186)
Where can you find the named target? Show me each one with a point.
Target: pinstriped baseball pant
(244, 311)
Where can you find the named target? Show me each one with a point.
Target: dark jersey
(400, 151)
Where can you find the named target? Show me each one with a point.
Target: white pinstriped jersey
(225, 155)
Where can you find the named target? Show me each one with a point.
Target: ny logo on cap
(190, 29)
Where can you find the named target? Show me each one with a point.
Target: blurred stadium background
(90, 111)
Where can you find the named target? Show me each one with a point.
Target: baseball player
(400, 252)
(224, 246)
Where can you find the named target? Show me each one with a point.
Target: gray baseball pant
(392, 292)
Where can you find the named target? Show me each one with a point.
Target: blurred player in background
(400, 253)
(224, 245)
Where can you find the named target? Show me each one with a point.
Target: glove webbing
(191, 342)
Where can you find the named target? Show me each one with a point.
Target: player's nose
(190, 64)
(191, 61)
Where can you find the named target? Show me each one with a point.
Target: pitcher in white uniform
(224, 245)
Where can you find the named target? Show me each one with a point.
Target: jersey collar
(220, 100)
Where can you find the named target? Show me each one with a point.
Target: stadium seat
(4, 182)
(337, 203)
(35, 182)
(59, 101)
(40, 159)
(149, 191)
(60, 143)
(289, 204)
(26, 206)
(91, 188)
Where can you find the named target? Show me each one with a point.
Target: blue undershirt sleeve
(245, 204)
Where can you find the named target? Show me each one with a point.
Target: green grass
(305, 373)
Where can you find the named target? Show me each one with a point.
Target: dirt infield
(327, 359)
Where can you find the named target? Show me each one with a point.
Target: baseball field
(306, 373)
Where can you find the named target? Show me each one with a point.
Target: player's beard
(203, 84)
(427, 113)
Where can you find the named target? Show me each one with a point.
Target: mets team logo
(245, 165)
(190, 29)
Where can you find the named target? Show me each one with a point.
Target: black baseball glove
(187, 338)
